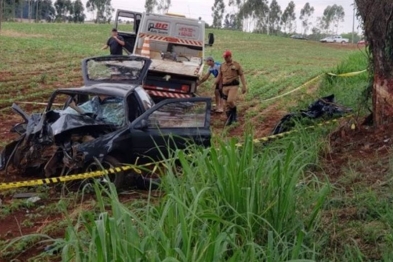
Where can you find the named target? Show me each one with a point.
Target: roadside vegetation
(284, 200)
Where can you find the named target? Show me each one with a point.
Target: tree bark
(382, 100)
(377, 19)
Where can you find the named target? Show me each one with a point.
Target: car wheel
(109, 162)
(146, 183)
(342, 42)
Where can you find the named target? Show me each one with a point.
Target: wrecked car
(111, 119)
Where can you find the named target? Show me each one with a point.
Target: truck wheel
(210, 37)
(109, 162)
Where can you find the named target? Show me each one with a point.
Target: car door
(172, 124)
(127, 23)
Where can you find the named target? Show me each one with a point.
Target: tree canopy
(288, 18)
(102, 8)
(332, 16)
(305, 15)
(218, 9)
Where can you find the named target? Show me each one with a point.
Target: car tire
(109, 162)
(147, 183)
(118, 177)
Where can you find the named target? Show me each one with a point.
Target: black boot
(234, 118)
(230, 116)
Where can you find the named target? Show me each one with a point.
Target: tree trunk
(377, 18)
(29, 11)
(1, 12)
(382, 99)
(36, 12)
(21, 10)
(13, 10)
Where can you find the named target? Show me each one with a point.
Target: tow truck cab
(176, 46)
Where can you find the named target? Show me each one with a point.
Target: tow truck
(176, 46)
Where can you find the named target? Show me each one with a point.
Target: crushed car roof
(112, 89)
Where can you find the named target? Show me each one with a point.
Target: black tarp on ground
(324, 107)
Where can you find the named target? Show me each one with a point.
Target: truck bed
(171, 67)
(191, 68)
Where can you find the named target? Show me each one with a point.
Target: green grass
(229, 204)
(272, 64)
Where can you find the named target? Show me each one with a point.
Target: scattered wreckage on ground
(111, 119)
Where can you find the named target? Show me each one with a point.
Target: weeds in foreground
(228, 204)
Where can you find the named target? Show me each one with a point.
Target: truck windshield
(128, 21)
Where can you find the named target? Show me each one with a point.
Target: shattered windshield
(107, 109)
(114, 70)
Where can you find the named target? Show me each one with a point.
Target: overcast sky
(202, 8)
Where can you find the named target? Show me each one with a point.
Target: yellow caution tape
(313, 80)
(62, 179)
(281, 135)
(296, 89)
(115, 170)
(348, 74)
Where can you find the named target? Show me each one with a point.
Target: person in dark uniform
(230, 73)
(115, 43)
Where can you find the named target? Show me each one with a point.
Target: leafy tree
(78, 15)
(150, 5)
(235, 2)
(338, 15)
(378, 29)
(315, 34)
(332, 16)
(288, 18)
(230, 21)
(238, 16)
(322, 25)
(258, 10)
(108, 12)
(274, 17)
(218, 12)
(103, 9)
(9, 8)
(63, 8)
(305, 15)
(45, 10)
(163, 5)
(33, 9)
